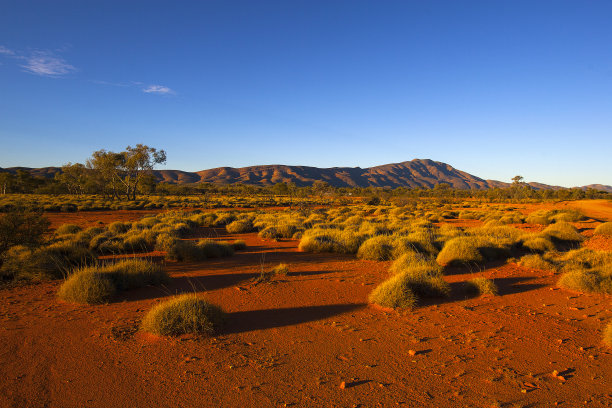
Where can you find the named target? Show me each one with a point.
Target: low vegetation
(183, 314)
(481, 286)
(98, 284)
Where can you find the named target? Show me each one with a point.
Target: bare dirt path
(294, 341)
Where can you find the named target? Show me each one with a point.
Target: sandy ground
(294, 341)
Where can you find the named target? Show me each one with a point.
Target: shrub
(481, 286)
(331, 240)
(378, 248)
(568, 216)
(67, 229)
(21, 227)
(240, 226)
(183, 314)
(411, 261)
(604, 229)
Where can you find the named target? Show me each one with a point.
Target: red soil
(295, 340)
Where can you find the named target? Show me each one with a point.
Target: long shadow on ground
(240, 322)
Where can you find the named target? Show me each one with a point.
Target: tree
(137, 162)
(73, 177)
(124, 171)
(7, 180)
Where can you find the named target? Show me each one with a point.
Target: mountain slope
(414, 173)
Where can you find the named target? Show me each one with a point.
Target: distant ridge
(415, 173)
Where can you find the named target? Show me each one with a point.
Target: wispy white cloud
(158, 89)
(46, 63)
(40, 62)
(6, 51)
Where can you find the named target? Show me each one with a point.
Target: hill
(415, 173)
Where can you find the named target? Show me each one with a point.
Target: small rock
(412, 352)
(343, 385)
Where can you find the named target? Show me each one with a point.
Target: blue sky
(494, 88)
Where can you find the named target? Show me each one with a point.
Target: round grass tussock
(181, 315)
(376, 249)
(538, 244)
(536, 261)
(604, 229)
(87, 286)
(460, 250)
(239, 226)
(67, 229)
(481, 286)
(563, 232)
(394, 292)
(588, 281)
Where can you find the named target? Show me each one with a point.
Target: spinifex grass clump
(587, 271)
(183, 314)
(538, 243)
(51, 262)
(66, 229)
(413, 277)
(604, 229)
(460, 250)
(563, 232)
(481, 286)
(97, 284)
(537, 261)
(376, 248)
(240, 226)
(191, 250)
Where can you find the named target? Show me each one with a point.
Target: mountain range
(414, 173)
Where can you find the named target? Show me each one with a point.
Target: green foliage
(183, 314)
(22, 227)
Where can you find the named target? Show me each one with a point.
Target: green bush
(21, 227)
(183, 314)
